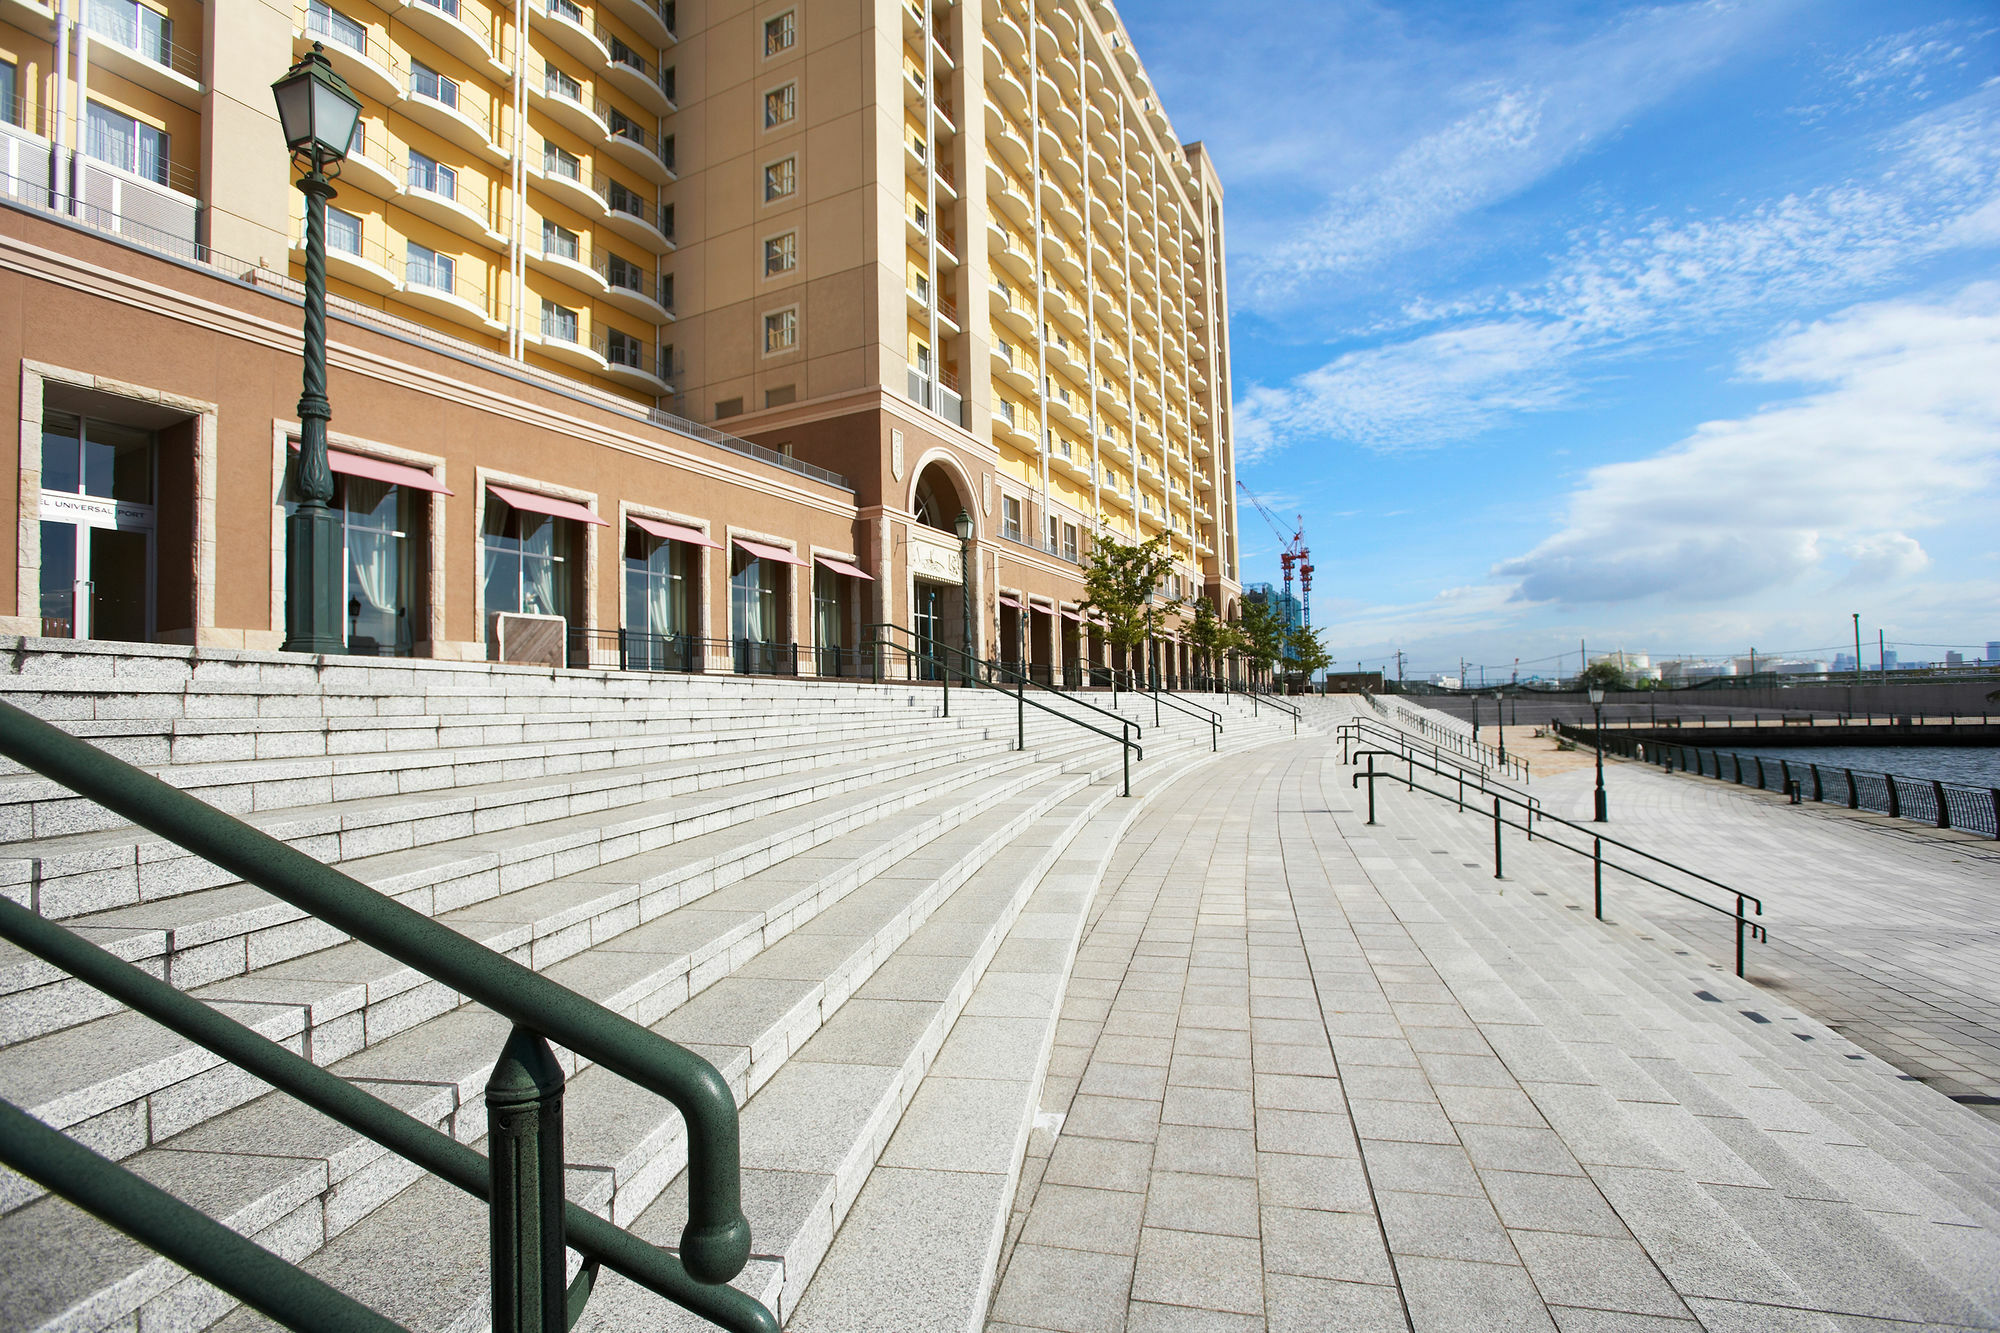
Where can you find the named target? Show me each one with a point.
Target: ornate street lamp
(1597, 709)
(963, 525)
(319, 115)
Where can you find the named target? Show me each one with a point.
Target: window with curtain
(380, 586)
(753, 599)
(323, 20)
(527, 561)
(343, 231)
(431, 176)
(659, 584)
(130, 145)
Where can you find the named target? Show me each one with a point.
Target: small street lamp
(963, 526)
(318, 114)
(1597, 708)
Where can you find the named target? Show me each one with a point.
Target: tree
(1304, 654)
(1263, 629)
(1117, 577)
(1605, 675)
(1213, 637)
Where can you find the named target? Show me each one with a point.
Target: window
(624, 127)
(560, 242)
(781, 254)
(667, 82)
(728, 407)
(621, 54)
(428, 175)
(623, 274)
(128, 144)
(667, 290)
(559, 323)
(755, 615)
(1007, 410)
(323, 20)
(561, 162)
(919, 217)
(781, 179)
(527, 559)
(343, 231)
(1069, 541)
(558, 84)
(620, 199)
(425, 267)
(622, 349)
(923, 290)
(659, 586)
(427, 82)
(442, 6)
(781, 331)
(780, 105)
(666, 151)
(567, 9)
(1010, 517)
(376, 519)
(133, 26)
(780, 33)
(10, 82)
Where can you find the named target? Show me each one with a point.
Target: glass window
(343, 230)
(623, 274)
(560, 241)
(781, 330)
(133, 26)
(96, 458)
(624, 126)
(568, 9)
(659, 584)
(561, 162)
(781, 179)
(780, 33)
(380, 580)
(427, 82)
(10, 93)
(781, 254)
(780, 105)
(527, 561)
(427, 268)
(128, 144)
(1010, 517)
(431, 176)
(323, 20)
(558, 322)
(753, 599)
(622, 349)
(621, 199)
(559, 84)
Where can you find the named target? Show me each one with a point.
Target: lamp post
(963, 526)
(1597, 709)
(1500, 728)
(318, 115)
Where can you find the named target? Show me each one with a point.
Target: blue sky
(1671, 327)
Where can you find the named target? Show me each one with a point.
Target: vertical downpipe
(59, 127)
(517, 257)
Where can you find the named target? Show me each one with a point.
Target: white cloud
(1501, 135)
(1903, 435)
(1618, 291)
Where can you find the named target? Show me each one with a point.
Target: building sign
(935, 558)
(91, 512)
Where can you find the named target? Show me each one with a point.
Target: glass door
(97, 529)
(925, 621)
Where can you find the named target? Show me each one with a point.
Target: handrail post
(1371, 786)
(1496, 838)
(1125, 749)
(525, 1155)
(1597, 874)
(1020, 714)
(1739, 934)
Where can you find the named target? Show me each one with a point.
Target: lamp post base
(314, 552)
(1603, 807)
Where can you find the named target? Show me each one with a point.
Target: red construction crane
(1295, 552)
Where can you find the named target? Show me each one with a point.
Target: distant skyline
(1671, 327)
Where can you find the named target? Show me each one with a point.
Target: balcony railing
(144, 33)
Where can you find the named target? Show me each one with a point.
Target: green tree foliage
(1116, 579)
(1602, 676)
(1304, 653)
(1263, 631)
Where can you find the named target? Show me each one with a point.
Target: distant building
(1993, 650)
(1954, 658)
(1707, 670)
(1288, 606)
(1843, 662)
(1791, 668)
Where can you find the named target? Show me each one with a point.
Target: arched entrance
(939, 593)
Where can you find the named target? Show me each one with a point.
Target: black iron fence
(1926, 800)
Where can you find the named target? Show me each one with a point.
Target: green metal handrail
(715, 1244)
(1262, 696)
(929, 650)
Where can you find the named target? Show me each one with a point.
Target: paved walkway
(1885, 930)
(1314, 1075)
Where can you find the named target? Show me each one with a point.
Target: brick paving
(1315, 1075)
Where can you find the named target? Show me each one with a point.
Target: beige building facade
(682, 332)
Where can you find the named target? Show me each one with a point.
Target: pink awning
(1005, 600)
(1068, 614)
(842, 567)
(380, 469)
(763, 552)
(545, 504)
(673, 532)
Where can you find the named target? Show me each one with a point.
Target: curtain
(371, 560)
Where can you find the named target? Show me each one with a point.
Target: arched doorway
(939, 593)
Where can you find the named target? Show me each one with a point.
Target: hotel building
(663, 335)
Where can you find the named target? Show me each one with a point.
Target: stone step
(625, 1146)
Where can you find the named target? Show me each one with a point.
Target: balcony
(1013, 423)
(637, 77)
(1004, 85)
(653, 20)
(562, 340)
(564, 23)
(457, 27)
(366, 263)
(136, 43)
(633, 363)
(439, 107)
(432, 198)
(568, 262)
(1002, 134)
(633, 289)
(647, 151)
(1006, 35)
(1015, 260)
(634, 216)
(569, 104)
(364, 60)
(940, 396)
(1010, 312)
(440, 291)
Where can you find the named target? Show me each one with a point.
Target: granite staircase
(860, 911)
